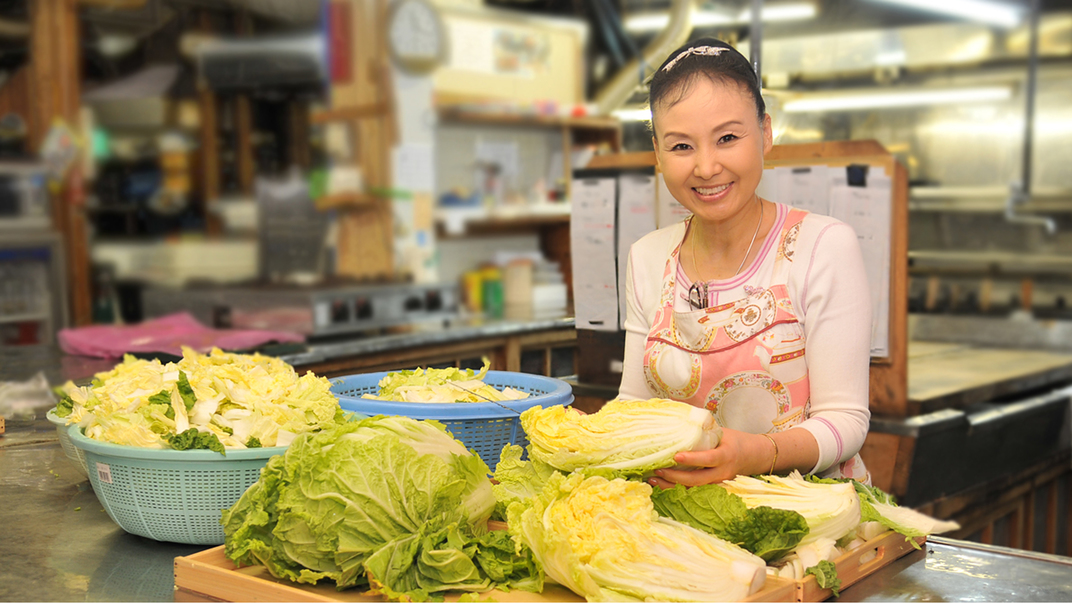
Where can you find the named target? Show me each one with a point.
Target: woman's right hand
(738, 453)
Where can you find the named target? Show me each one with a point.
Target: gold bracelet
(775, 459)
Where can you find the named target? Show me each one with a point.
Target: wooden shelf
(469, 116)
(344, 200)
(989, 260)
(31, 317)
(374, 110)
(489, 224)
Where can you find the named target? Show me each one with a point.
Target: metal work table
(59, 545)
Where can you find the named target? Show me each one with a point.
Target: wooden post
(243, 116)
(366, 235)
(1016, 526)
(986, 294)
(1029, 521)
(1068, 520)
(298, 130)
(1051, 518)
(208, 106)
(1027, 288)
(55, 94)
(15, 98)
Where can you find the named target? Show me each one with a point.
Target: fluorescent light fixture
(994, 12)
(783, 12)
(907, 98)
(788, 11)
(633, 114)
(891, 58)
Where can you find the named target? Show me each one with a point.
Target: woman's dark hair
(706, 57)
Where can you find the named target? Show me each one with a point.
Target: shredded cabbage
(231, 400)
(442, 386)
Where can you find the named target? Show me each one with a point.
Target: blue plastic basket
(75, 455)
(169, 495)
(484, 427)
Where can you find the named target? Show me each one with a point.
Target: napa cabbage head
(602, 539)
(517, 479)
(880, 512)
(765, 531)
(369, 502)
(832, 510)
(630, 437)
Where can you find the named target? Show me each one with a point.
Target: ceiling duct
(920, 46)
(617, 92)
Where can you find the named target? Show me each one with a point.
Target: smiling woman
(752, 309)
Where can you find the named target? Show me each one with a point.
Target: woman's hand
(738, 453)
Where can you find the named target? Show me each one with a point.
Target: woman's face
(710, 148)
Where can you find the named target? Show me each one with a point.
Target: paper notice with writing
(414, 167)
(803, 187)
(866, 206)
(668, 211)
(592, 247)
(636, 218)
(868, 210)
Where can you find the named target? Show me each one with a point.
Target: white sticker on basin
(104, 473)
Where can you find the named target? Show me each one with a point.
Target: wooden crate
(859, 563)
(211, 576)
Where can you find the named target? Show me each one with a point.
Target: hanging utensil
(514, 410)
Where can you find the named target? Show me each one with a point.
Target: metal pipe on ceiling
(617, 92)
(755, 38)
(1021, 192)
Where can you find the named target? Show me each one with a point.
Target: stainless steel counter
(955, 570)
(59, 545)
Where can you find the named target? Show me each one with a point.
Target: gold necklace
(696, 268)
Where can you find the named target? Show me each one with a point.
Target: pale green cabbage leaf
(602, 539)
(442, 386)
(517, 479)
(832, 511)
(765, 531)
(879, 507)
(389, 503)
(630, 437)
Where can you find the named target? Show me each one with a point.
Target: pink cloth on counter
(166, 334)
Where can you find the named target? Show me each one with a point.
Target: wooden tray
(859, 563)
(211, 576)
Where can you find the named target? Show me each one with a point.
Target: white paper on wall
(592, 247)
(668, 211)
(636, 218)
(867, 208)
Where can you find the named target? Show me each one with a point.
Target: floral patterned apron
(742, 360)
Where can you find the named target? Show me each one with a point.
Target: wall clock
(416, 36)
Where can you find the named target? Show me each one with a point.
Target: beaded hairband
(701, 50)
